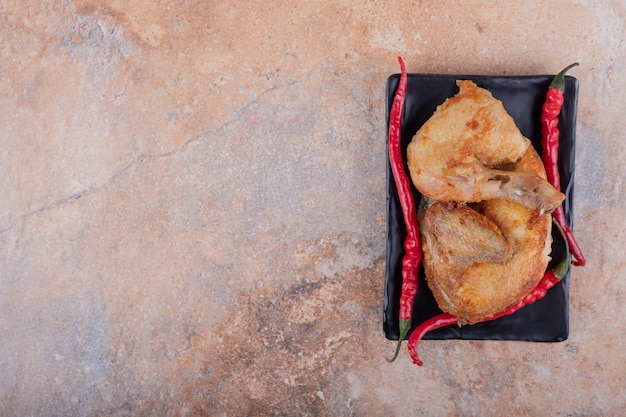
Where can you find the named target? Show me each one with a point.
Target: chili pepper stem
(562, 267)
(405, 326)
(559, 80)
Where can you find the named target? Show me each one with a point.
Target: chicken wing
(456, 154)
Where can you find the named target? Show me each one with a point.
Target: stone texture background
(192, 218)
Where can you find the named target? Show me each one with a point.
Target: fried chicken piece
(479, 263)
(455, 154)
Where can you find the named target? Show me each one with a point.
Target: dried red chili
(412, 244)
(550, 154)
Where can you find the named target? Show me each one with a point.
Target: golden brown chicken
(480, 258)
(480, 262)
(455, 154)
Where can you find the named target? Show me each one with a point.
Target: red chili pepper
(549, 280)
(433, 323)
(550, 144)
(412, 244)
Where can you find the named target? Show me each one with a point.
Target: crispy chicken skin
(456, 154)
(479, 263)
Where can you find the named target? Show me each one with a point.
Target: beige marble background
(192, 218)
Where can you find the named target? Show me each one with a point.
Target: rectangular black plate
(547, 319)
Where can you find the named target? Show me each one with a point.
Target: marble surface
(193, 212)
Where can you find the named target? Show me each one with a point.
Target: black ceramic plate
(543, 321)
